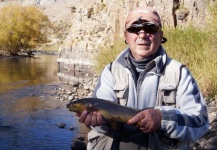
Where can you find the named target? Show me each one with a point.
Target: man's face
(143, 39)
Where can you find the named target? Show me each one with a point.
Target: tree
(23, 28)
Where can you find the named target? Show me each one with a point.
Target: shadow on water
(29, 112)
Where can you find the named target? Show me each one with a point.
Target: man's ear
(125, 37)
(164, 40)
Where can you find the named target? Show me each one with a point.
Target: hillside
(83, 25)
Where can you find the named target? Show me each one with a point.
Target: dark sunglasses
(148, 27)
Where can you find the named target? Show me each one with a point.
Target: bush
(23, 28)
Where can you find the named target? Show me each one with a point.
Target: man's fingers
(94, 119)
(100, 119)
(88, 119)
(147, 120)
(83, 116)
(91, 118)
(137, 118)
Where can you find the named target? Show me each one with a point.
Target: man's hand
(91, 118)
(149, 120)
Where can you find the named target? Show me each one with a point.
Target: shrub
(23, 28)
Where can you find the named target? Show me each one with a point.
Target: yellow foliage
(23, 28)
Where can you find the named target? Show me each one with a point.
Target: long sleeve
(190, 121)
(104, 86)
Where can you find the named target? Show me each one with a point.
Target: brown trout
(110, 110)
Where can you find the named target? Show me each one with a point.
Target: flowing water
(29, 112)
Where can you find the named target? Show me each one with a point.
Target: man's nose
(142, 33)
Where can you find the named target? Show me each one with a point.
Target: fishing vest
(167, 87)
(166, 96)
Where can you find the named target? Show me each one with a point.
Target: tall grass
(195, 48)
(107, 54)
(192, 47)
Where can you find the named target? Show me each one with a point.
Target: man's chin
(143, 50)
(143, 47)
(144, 53)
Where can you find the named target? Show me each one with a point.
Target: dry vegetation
(23, 28)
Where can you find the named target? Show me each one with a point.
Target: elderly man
(143, 77)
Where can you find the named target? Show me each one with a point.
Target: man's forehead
(145, 11)
(140, 20)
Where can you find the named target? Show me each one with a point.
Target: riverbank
(82, 89)
(5, 54)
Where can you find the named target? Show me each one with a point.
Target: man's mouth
(142, 44)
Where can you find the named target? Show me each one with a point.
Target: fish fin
(138, 124)
(139, 110)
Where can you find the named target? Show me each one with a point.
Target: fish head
(75, 106)
(80, 105)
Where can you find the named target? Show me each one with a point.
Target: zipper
(141, 78)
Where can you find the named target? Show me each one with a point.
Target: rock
(72, 128)
(212, 117)
(57, 107)
(80, 138)
(71, 97)
(75, 83)
(69, 92)
(74, 90)
(78, 145)
(214, 125)
(61, 125)
(62, 99)
(86, 87)
(90, 94)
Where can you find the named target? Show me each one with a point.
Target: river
(29, 112)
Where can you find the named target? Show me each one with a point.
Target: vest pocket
(97, 141)
(168, 94)
(121, 93)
